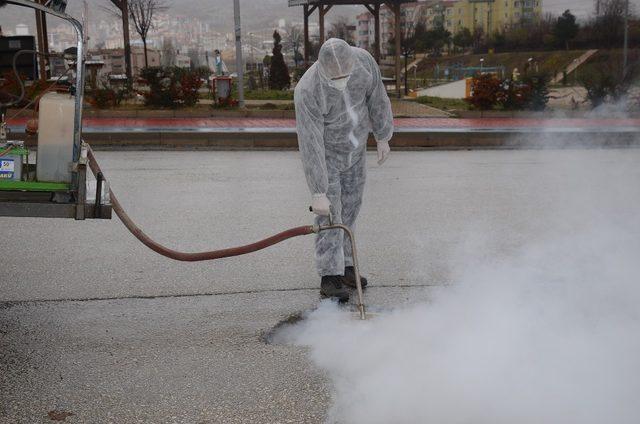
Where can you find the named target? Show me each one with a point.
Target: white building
(22, 29)
(365, 28)
(365, 31)
(183, 61)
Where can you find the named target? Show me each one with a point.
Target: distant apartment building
(183, 61)
(442, 13)
(453, 15)
(22, 29)
(486, 15)
(137, 59)
(314, 31)
(410, 15)
(113, 60)
(365, 31)
(365, 27)
(60, 37)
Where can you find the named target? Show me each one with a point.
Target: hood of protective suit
(333, 125)
(335, 60)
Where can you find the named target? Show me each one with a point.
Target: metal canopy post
(305, 11)
(397, 10)
(321, 23)
(374, 9)
(625, 47)
(43, 42)
(322, 11)
(374, 6)
(308, 11)
(376, 16)
(239, 59)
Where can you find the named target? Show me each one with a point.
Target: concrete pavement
(93, 323)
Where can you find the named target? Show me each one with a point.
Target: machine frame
(38, 199)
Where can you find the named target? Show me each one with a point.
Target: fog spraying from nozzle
(548, 332)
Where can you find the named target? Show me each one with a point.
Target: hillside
(551, 61)
(610, 60)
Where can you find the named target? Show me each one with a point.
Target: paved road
(94, 324)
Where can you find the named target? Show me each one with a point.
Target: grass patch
(268, 95)
(271, 106)
(444, 104)
(611, 58)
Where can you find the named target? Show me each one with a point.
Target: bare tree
(293, 41)
(143, 14)
(610, 7)
(609, 22)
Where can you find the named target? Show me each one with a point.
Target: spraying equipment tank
(55, 138)
(56, 185)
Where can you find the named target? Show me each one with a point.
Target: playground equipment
(457, 71)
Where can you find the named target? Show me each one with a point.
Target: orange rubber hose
(198, 256)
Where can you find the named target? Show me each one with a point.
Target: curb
(406, 140)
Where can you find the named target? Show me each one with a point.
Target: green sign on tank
(32, 186)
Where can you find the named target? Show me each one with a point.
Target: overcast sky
(219, 12)
(580, 8)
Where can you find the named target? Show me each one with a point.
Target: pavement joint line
(11, 303)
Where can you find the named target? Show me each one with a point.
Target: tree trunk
(146, 59)
(127, 43)
(406, 77)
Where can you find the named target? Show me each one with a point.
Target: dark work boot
(350, 278)
(332, 286)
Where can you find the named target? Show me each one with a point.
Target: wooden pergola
(373, 6)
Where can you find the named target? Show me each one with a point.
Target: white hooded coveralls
(333, 127)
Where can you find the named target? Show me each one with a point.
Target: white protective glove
(383, 151)
(320, 204)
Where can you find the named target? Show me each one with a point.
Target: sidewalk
(401, 108)
(404, 108)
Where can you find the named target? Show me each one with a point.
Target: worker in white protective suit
(339, 101)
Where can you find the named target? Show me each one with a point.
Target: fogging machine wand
(233, 251)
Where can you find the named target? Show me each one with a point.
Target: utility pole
(239, 64)
(85, 22)
(625, 51)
